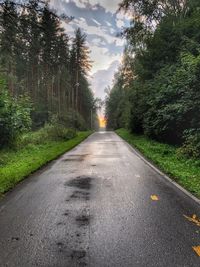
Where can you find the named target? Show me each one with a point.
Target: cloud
(109, 6)
(99, 20)
(108, 23)
(102, 58)
(99, 30)
(97, 23)
(103, 78)
(98, 42)
(120, 23)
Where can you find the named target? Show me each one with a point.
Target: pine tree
(9, 24)
(80, 65)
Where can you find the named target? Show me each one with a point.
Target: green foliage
(174, 100)
(162, 89)
(112, 111)
(57, 132)
(138, 97)
(14, 116)
(72, 120)
(16, 165)
(49, 132)
(38, 60)
(191, 145)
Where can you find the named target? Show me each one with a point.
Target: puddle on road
(83, 220)
(81, 182)
(76, 244)
(73, 159)
(76, 157)
(78, 254)
(80, 195)
(15, 238)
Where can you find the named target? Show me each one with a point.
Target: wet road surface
(93, 207)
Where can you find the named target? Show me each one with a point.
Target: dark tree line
(38, 59)
(157, 88)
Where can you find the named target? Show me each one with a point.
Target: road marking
(193, 219)
(137, 175)
(197, 250)
(154, 198)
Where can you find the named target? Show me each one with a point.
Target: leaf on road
(154, 197)
(197, 250)
(193, 219)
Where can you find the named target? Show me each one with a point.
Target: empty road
(93, 207)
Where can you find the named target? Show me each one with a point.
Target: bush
(58, 132)
(174, 101)
(48, 133)
(71, 119)
(191, 145)
(14, 116)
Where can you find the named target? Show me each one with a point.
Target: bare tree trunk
(77, 87)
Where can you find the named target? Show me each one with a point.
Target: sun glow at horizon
(102, 122)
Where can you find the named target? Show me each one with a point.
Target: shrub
(72, 120)
(48, 133)
(174, 101)
(191, 145)
(58, 132)
(14, 116)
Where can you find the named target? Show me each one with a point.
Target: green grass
(16, 165)
(184, 171)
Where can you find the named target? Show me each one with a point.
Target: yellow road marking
(154, 197)
(193, 219)
(197, 250)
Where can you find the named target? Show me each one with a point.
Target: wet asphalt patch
(81, 182)
(72, 159)
(15, 238)
(78, 254)
(66, 213)
(83, 220)
(60, 224)
(80, 191)
(61, 246)
(81, 195)
(76, 157)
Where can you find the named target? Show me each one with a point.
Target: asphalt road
(93, 207)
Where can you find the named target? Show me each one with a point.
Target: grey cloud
(103, 78)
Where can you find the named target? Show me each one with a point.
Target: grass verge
(184, 171)
(21, 163)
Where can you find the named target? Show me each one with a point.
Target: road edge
(42, 167)
(140, 155)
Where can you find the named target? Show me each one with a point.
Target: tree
(9, 22)
(38, 61)
(80, 65)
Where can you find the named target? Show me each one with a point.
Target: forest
(43, 72)
(156, 90)
(46, 103)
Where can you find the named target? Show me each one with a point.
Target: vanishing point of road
(93, 207)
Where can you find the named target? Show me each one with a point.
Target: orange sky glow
(102, 122)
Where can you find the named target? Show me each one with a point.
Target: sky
(101, 22)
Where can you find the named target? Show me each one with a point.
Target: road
(93, 207)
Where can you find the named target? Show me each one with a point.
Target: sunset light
(102, 122)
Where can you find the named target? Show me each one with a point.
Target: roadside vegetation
(168, 158)
(35, 151)
(46, 104)
(156, 92)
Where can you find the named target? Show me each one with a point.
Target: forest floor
(16, 164)
(185, 172)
